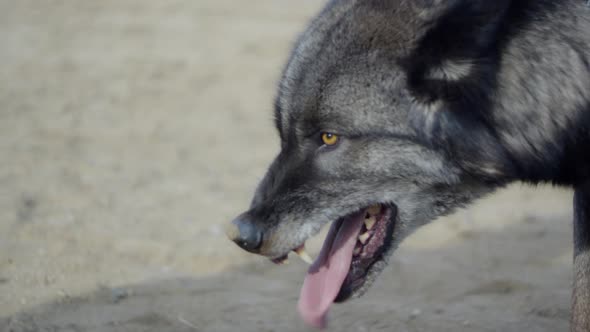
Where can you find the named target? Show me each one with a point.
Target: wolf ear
(457, 39)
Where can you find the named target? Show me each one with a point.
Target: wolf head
(381, 112)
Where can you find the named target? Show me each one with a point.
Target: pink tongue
(325, 277)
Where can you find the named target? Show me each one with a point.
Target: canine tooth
(374, 209)
(357, 251)
(303, 255)
(364, 237)
(370, 222)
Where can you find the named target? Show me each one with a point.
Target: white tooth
(370, 222)
(357, 251)
(374, 209)
(364, 237)
(303, 255)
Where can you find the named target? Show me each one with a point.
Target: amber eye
(329, 138)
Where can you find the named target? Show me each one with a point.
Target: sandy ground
(131, 130)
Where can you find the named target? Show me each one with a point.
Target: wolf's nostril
(245, 234)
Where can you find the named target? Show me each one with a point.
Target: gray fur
(438, 103)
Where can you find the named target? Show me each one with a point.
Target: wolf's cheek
(333, 161)
(360, 158)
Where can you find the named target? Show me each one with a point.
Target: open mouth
(352, 247)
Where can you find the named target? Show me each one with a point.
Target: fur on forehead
(427, 37)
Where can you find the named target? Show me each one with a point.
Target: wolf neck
(534, 126)
(546, 91)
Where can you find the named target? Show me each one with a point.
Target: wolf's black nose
(245, 233)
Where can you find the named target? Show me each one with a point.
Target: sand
(132, 130)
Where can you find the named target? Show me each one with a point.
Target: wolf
(392, 113)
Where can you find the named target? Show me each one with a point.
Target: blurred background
(132, 130)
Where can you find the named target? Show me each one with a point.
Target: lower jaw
(353, 247)
(361, 268)
(348, 290)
